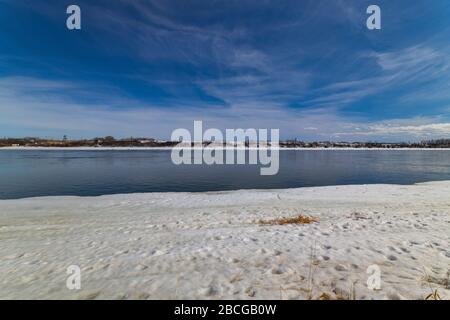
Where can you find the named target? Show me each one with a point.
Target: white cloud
(408, 129)
(31, 107)
(45, 110)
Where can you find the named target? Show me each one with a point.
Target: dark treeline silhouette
(440, 143)
(110, 141)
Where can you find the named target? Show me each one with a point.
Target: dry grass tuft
(430, 280)
(300, 219)
(324, 296)
(433, 296)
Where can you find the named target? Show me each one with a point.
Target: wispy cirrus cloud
(422, 66)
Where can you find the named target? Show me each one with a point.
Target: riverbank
(203, 148)
(214, 245)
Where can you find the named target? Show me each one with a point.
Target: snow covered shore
(212, 245)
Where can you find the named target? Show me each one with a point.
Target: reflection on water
(29, 173)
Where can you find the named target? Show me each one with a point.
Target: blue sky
(144, 68)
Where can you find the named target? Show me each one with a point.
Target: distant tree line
(107, 141)
(110, 141)
(440, 143)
